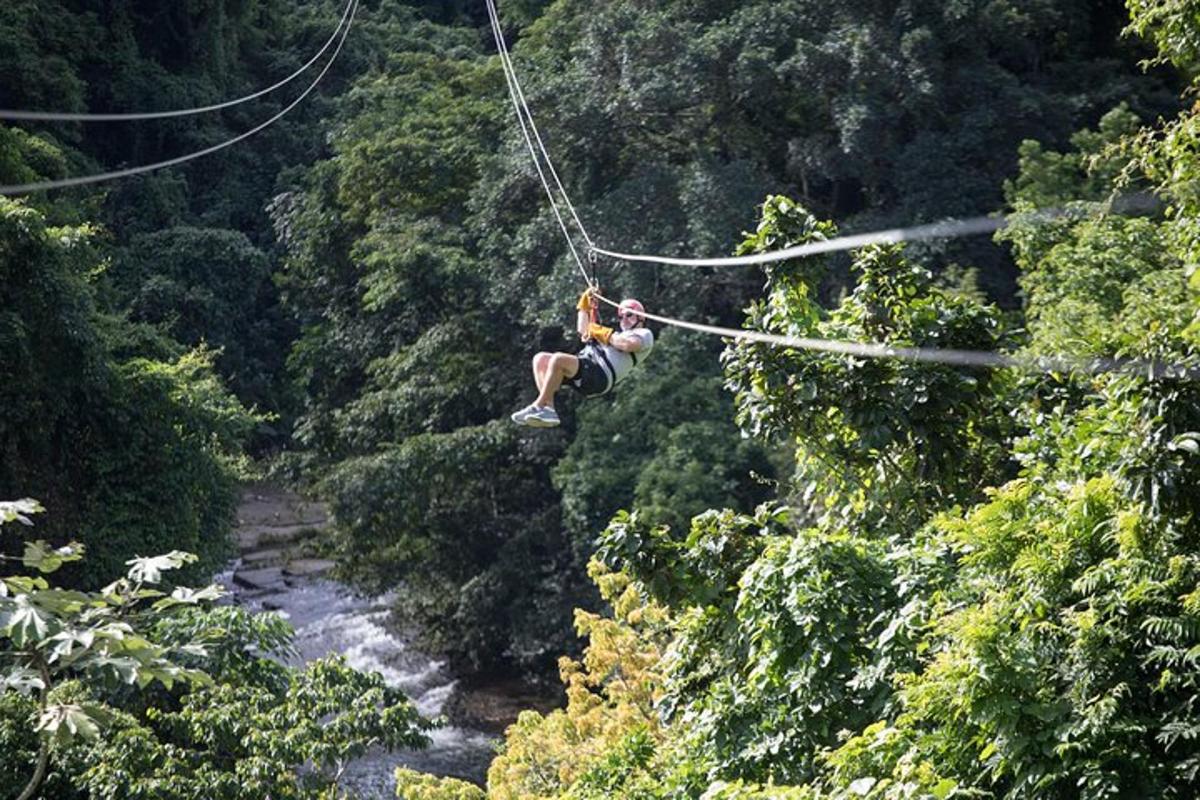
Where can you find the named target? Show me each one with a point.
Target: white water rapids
(330, 619)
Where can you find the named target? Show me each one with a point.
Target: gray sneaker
(521, 417)
(542, 418)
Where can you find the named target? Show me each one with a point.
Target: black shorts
(591, 380)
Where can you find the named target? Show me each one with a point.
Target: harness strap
(607, 367)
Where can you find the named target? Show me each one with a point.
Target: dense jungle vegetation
(796, 576)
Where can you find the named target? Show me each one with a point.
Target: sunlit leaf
(41, 556)
(183, 595)
(19, 510)
(60, 601)
(67, 643)
(22, 680)
(27, 624)
(150, 569)
(862, 786)
(65, 722)
(22, 584)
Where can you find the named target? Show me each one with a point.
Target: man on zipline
(606, 358)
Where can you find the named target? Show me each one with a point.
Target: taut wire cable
(947, 229)
(962, 358)
(936, 230)
(520, 94)
(60, 116)
(39, 186)
(510, 78)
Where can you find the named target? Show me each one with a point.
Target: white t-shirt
(620, 361)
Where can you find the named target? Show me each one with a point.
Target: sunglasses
(627, 314)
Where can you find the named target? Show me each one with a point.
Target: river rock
(263, 504)
(255, 537)
(267, 578)
(493, 705)
(262, 558)
(308, 566)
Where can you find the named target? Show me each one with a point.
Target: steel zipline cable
(61, 116)
(961, 358)
(936, 230)
(26, 188)
(519, 95)
(947, 229)
(525, 118)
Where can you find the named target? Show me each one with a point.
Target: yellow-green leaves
(413, 785)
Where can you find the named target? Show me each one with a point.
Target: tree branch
(39, 772)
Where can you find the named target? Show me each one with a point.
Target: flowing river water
(270, 575)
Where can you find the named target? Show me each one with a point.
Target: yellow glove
(586, 303)
(600, 333)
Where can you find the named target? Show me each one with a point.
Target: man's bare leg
(541, 363)
(560, 367)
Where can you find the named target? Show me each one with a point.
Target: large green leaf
(64, 722)
(61, 601)
(41, 556)
(26, 624)
(22, 680)
(23, 584)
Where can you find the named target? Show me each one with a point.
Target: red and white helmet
(629, 304)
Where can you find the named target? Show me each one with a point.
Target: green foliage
(200, 228)
(79, 713)
(1054, 645)
(183, 464)
(145, 450)
(206, 286)
(601, 744)
(772, 632)
(244, 741)
(25, 158)
(233, 641)
(53, 635)
(446, 513)
(36, 58)
(424, 269)
(1052, 180)
(406, 377)
(1171, 25)
(863, 427)
(873, 113)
